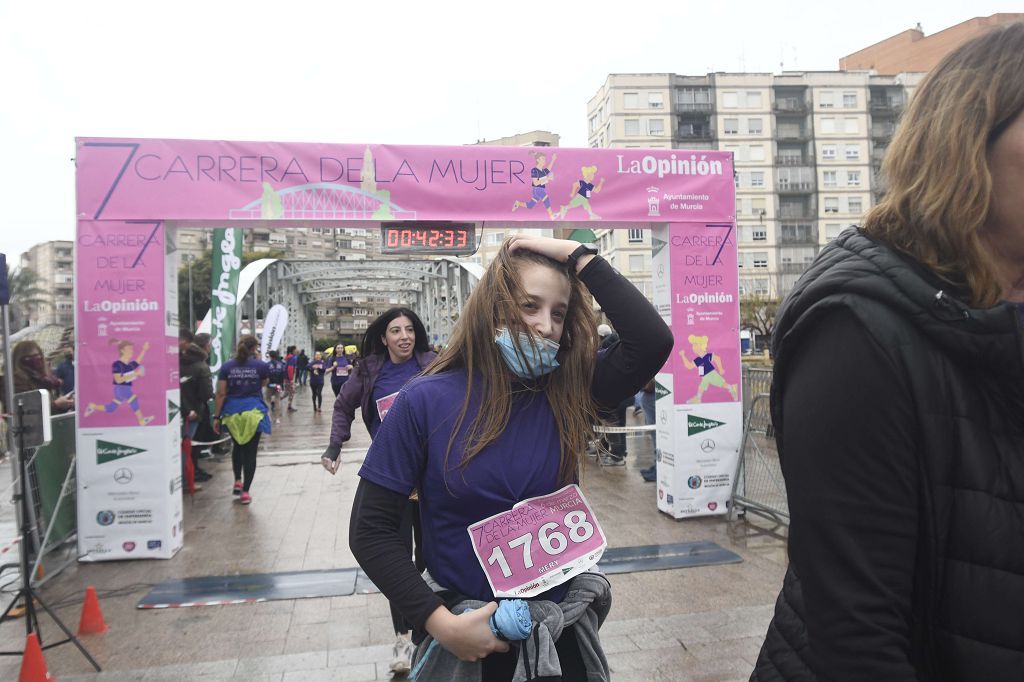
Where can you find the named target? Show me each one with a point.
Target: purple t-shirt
(409, 452)
(705, 364)
(390, 379)
(244, 380)
(123, 368)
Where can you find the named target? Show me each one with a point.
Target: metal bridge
(322, 201)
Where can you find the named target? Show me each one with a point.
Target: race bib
(385, 403)
(342, 371)
(539, 543)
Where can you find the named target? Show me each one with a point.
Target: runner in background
(240, 408)
(289, 383)
(339, 368)
(316, 381)
(503, 415)
(395, 350)
(276, 378)
(301, 367)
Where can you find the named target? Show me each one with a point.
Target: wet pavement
(703, 623)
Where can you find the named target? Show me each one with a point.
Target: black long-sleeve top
(622, 370)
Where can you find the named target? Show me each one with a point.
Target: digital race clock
(428, 238)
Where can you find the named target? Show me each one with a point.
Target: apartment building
(807, 148)
(53, 263)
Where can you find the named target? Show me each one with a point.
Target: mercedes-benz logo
(123, 476)
(664, 417)
(707, 445)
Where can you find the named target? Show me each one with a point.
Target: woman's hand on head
(555, 249)
(468, 636)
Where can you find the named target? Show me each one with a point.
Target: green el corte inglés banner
(227, 263)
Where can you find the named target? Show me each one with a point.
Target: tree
(199, 293)
(27, 294)
(757, 313)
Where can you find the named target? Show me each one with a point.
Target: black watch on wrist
(581, 250)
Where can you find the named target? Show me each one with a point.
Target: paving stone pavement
(704, 623)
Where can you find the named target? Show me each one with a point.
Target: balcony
(882, 134)
(694, 107)
(800, 213)
(787, 134)
(886, 105)
(798, 234)
(791, 161)
(806, 187)
(683, 134)
(790, 105)
(793, 268)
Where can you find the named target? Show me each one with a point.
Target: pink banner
(123, 373)
(705, 313)
(129, 179)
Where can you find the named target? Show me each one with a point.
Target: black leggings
(336, 386)
(244, 457)
(502, 667)
(318, 395)
(409, 531)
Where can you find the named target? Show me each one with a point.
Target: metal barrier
(756, 380)
(758, 485)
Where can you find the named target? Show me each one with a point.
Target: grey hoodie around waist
(586, 605)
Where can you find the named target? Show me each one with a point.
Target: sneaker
(237, 490)
(612, 461)
(403, 650)
(245, 498)
(202, 476)
(196, 486)
(292, 409)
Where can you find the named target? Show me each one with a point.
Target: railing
(887, 104)
(694, 135)
(697, 107)
(793, 268)
(794, 187)
(758, 485)
(791, 161)
(791, 134)
(791, 105)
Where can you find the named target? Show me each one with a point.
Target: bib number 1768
(551, 540)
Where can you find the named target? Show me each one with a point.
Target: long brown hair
(496, 302)
(246, 348)
(939, 186)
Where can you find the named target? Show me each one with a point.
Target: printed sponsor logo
(670, 499)
(154, 544)
(105, 517)
(172, 410)
(695, 424)
(123, 476)
(128, 546)
(111, 452)
(693, 482)
(660, 391)
(712, 506)
(707, 445)
(661, 493)
(99, 548)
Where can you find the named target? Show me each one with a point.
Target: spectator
(65, 371)
(196, 391)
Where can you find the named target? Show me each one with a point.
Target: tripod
(27, 592)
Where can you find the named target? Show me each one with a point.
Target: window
(636, 236)
(852, 153)
(757, 206)
(656, 126)
(829, 178)
(730, 100)
(593, 123)
(630, 100)
(855, 205)
(632, 126)
(760, 259)
(831, 204)
(828, 125)
(754, 100)
(832, 231)
(654, 100)
(828, 152)
(849, 100)
(760, 234)
(731, 126)
(850, 125)
(636, 262)
(757, 179)
(825, 100)
(853, 178)
(754, 126)
(756, 153)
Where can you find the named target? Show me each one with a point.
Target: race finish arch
(130, 192)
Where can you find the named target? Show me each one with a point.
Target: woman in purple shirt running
(125, 371)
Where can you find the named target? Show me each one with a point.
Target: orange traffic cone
(33, 665)
(92, 622)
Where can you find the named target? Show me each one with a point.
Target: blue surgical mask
(534, 358)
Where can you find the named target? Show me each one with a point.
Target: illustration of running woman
(540, 175)
(582, 190)
(709, 369)
(125, 371)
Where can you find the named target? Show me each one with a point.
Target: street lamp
(191, 310)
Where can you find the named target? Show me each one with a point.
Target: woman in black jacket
(898, 403)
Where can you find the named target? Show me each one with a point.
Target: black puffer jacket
(958, 374)
(196, 380)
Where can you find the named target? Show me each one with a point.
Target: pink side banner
(123, 380)
(134, 179)
(705, 313)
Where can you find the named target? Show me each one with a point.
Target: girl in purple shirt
(125, 371)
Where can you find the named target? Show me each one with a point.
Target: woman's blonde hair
(938, 186)
(496, 302)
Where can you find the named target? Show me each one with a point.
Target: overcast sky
(429, 72)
